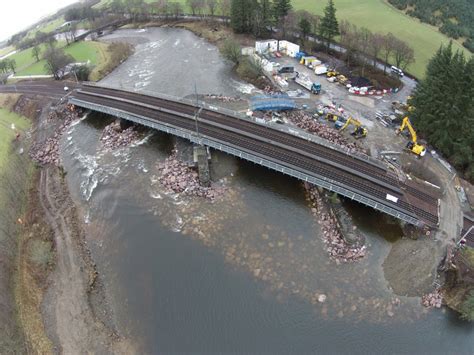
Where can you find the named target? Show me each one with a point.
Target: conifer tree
(329, 27)
(281, 8)
(444, 105)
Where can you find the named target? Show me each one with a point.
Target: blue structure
(272, 103)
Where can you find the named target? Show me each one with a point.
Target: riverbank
(58, 294)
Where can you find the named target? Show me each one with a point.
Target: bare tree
(387, 49)
(196, 6)
(349, 40)
(161, 7)
(403, 54)
(224, 5)
(375, 47)
(211, 5)
(363, 43)
(175, 9)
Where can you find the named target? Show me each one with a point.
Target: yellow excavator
(360, 131)
(413, 145)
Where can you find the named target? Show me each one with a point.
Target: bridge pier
(201, 157)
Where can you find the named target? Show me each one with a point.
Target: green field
(7, 134)
(46, 27)
(82, 51)
(378, 16)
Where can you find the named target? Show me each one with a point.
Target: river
(242, 274)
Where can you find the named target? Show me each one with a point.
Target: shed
(267, 45)
(289, 48)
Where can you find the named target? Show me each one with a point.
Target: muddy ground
(58, 292)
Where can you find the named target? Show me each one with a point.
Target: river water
(242, 274)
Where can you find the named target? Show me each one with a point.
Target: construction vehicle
(360, 131)
(306, 82)
(332, 117)
(413, 145)
(342, 79)
(331, 73)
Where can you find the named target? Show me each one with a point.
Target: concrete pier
(201, 158)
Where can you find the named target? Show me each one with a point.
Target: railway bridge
(292, 152)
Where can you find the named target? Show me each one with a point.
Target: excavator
(360, 131)
(413, 145)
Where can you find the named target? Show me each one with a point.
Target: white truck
(307, 83)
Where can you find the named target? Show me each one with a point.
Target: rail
(255, 158)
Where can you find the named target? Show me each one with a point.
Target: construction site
(375, 119)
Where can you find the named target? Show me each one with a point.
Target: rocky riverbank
(179, 178)
(47, 152)
(433, 300)
(338, 249)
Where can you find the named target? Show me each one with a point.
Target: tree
(241, 13)
(231, 50)
(196, 6)
(444, 107)
(329, 27)
(387, 49)
(12, 64)
(35, 52)
(56, 61)
(161, 7)
(175, 8)
(211, 5)
(375, 47)
(225, 6)
(403, 54)
(305, 27)
(281, 8)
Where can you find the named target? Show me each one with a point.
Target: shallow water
(183, 274)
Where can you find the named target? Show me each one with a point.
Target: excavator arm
(416, 148)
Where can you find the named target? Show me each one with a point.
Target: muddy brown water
(241, 274)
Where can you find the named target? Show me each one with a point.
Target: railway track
(377, 172)
(266, 147)
(468, 223)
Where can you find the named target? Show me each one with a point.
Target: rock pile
(337, 248)
(223, 98)
(308, 123)
(433, 300)
(48, 152)
(179, 178)
(113, 137)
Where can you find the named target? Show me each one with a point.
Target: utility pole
(196, 116)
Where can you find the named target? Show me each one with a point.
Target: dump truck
(307, 83)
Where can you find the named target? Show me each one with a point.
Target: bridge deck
(348, 175)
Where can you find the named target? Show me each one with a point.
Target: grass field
(46, 27)
(82, 51)
(7, 134)
(378, 16)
